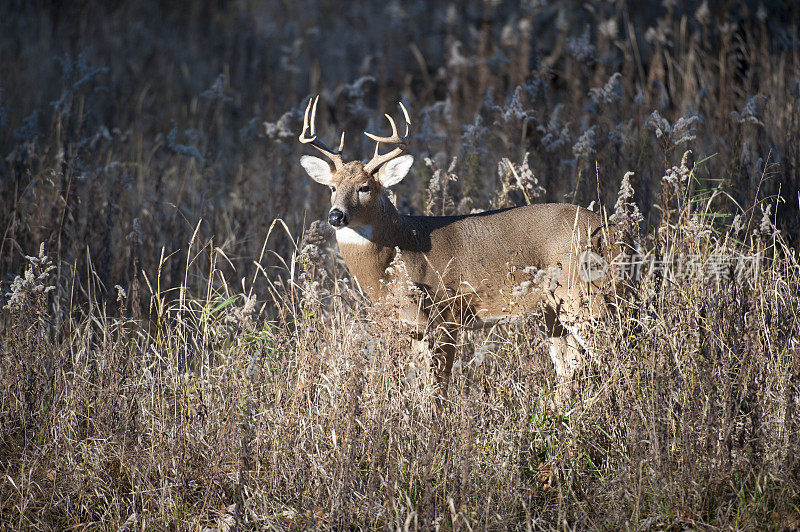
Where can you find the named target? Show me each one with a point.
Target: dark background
(124, 124)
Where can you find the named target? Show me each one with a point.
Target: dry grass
(173, 357)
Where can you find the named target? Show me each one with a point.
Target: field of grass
(181, 346)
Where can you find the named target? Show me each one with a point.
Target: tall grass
(182, 347)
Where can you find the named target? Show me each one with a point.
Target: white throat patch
(356, 237)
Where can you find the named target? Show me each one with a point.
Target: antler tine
(408, 120)
(333, 155)
(305, 122)
(395, 138)
(314, 117)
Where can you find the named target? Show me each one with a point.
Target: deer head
(358, 190)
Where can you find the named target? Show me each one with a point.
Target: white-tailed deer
(470, 270)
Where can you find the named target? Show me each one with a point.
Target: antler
(333, 155)
(378, 160)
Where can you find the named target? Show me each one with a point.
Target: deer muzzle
(337, 218)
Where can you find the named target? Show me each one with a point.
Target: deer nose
(337, 218)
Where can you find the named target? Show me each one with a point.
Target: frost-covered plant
(242, 318)
(703, 13)
(433, 119)
(31, 287)
(473, 137)
(29, 127)
(217, 90)
(556, 135)
(354, 94)
(626, 211)
(611, 92)
(751, 111)
(513, 110)
(516, 178)
(251, 130)
(79, 71)
(660, 34)
(74, 74)
(456, 59)
(766, 228)
(536, 86)
(315, 265)
(311, 270)
(623, 133)
(438, 202)
(290, 54)
(122, 294)
(581, 47)
(670, 135)
(281, 128)
(540, 279)
(696, 228)
(608, 28)
(318, 233)
(738, 224)
(678, 176)
(584, 148)
(183, 149)
(400, 289)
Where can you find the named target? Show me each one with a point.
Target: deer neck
(370, 248)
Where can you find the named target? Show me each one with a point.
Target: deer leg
(444, 353)
(567, 357)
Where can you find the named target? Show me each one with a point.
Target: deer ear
(395, 170)
(317, 169)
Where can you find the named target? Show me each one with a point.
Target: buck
(471, 270)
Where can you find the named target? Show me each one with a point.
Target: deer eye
(333, 188)
(363, 188)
